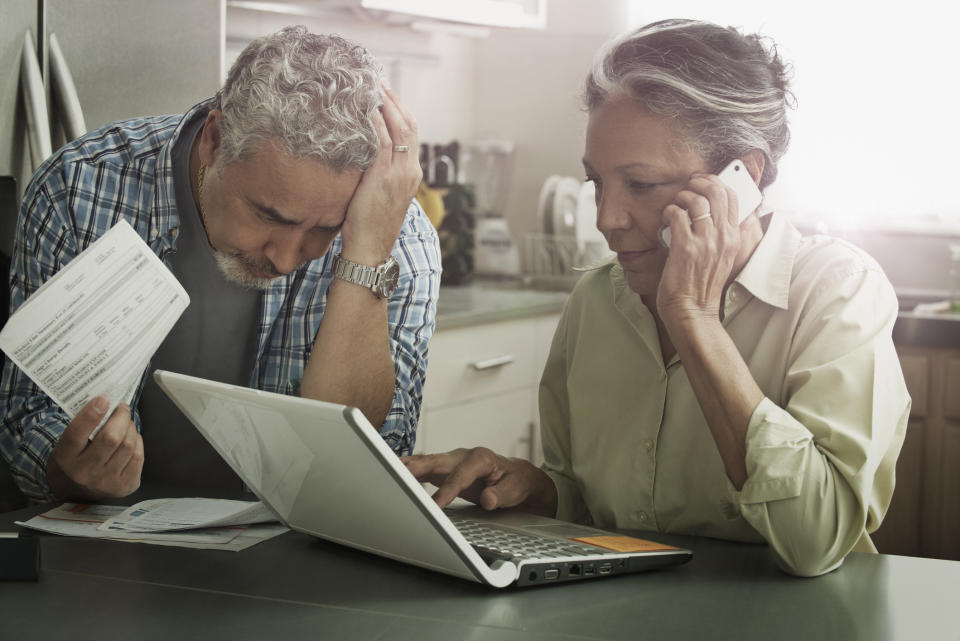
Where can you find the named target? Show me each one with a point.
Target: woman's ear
(755, 161)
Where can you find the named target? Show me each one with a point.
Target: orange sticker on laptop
(623, 543)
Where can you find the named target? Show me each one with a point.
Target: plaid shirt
(125, 171)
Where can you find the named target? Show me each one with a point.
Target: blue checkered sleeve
(74, 198)
(32, 423)
(411, 314)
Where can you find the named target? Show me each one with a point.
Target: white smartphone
(736, 176)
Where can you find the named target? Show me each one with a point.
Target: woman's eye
(639, 187)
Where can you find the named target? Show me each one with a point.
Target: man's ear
(209, 148)
(755, 161)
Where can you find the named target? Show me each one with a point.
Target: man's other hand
(109, 466)
(378, 207)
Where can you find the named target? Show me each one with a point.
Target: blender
(486, 164)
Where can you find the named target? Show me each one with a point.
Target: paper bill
(166, 515)
(91, 329)
(84, 520)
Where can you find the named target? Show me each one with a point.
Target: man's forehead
(303, 189)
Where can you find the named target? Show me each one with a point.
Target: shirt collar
(165, 199)
(767, 274)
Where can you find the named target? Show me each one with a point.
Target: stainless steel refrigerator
(126, 58)
(88, 63)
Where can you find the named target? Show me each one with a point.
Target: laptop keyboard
(499, 542)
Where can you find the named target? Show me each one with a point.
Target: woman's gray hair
(728, 92)
(316, 94)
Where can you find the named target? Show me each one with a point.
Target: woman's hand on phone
(704, 245)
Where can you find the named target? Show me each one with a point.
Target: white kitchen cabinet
(502, 423)
(531, 14)
(525, 14)
(481, 387)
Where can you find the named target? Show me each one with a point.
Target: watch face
(390, 276)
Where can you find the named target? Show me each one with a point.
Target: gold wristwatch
(381, 280)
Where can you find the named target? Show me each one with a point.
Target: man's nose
(286, 249)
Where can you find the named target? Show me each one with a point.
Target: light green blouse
(627, 445)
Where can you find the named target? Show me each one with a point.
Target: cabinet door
(950, 464)
(474, 362)
(501, 423)
(924, 516)
(902, 530)
(546, 327)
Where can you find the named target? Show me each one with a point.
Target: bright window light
(876, 131)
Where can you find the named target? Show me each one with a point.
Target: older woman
(743, 384)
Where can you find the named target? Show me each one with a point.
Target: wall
(536, 105)
(528, 87)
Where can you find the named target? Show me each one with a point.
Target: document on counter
(92, 328)
(85, 520)
(167, 515)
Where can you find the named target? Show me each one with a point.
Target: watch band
(381, 280)
(356, 273)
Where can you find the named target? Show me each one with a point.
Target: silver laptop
(324, 470)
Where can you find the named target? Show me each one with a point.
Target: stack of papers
(215, 524)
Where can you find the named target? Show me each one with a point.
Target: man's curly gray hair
(315, 94)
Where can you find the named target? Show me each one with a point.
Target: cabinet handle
(492, 363)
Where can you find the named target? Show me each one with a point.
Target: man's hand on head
(108, 466)
(378, 207)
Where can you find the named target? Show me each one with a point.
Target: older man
(283, 205)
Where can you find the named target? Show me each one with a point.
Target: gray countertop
(489, 301)
(929, 329)
(297, 587)
(932, 330)
(493, 301)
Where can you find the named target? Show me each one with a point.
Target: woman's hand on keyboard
(485, 478)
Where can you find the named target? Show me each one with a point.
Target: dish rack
(556, 262)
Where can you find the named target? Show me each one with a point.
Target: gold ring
(401, 148)
(703, 217)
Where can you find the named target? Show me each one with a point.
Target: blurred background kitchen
(495, 86)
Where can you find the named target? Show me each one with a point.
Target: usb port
(551, 574)
(606, 568)
(589, 570)
(575, 570)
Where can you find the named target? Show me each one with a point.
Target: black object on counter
(456, 235)
(19, 557)
(425, 159)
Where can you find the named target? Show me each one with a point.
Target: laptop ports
(589, 570)
(575, 570)
(606, 568)
(551, 574)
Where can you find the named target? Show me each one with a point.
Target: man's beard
(237, 268)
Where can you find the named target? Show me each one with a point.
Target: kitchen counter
(934, 330)
(487, 301)
(930, 329)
